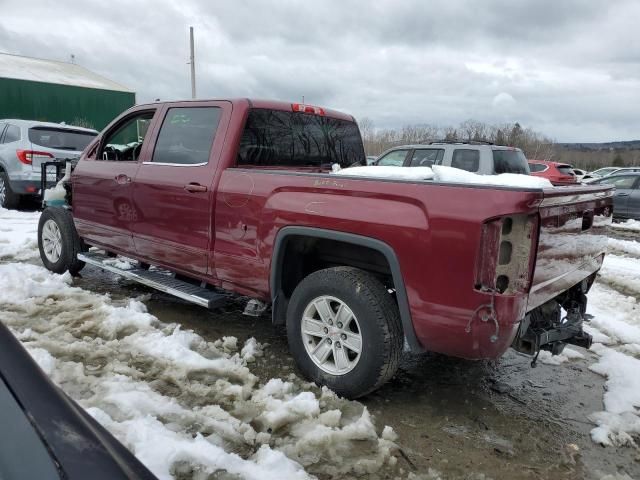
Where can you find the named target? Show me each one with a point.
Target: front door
(102, 207)
(633, 204)
(624, 189)
(173, 190)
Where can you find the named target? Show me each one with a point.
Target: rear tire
(58, 241)
(8, 199)
(370, 319)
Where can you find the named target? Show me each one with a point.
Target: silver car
(25, 145)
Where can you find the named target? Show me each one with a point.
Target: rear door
(173, 189)
(102, 205)
(633, 204)
(624, 190)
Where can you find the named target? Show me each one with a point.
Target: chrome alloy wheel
(51, 241)
(331, 335)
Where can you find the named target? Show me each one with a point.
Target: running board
(160, 280)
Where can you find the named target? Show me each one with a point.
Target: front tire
(344, 330)
(58, 241)
(8, 199)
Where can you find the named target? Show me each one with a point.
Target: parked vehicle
(579, 173)
(605, 172)
(62, 440)
(237, 195)
(25, 145)
(478, 157)
(626, 199)
(556, 173)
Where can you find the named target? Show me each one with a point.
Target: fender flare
(277, 260)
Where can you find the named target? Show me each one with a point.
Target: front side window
(2, 125)
(393, 159)
(60, 139)
(294, 139)
(186, 135)
(466, 159)
(621, 182)
(124, 144)
(426, 157)
(12, 134)
(510, 161)
(537, 167)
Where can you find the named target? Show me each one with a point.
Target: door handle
(122, 179)
(622, 194)
(195, 188)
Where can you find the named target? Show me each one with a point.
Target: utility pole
(193, 64)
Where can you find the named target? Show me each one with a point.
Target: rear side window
(510, 161)
(565, 170)
(466, 159)
(393, 159)
(12, 134)
(186, 135)
(293, 139)
(60, 139)
(620, 182)
(427, 157)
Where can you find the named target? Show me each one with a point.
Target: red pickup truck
(238, 196)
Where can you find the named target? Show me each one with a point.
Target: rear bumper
(472, 333)
(25, 187)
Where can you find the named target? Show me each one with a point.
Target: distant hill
(624, 145)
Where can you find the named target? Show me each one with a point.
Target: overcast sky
(569, 69)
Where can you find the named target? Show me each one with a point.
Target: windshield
(604, 171)
(510, 161)
(60, 138)
(291, 139)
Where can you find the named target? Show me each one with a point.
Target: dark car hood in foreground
(79, 447)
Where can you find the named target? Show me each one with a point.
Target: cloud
(573, 66)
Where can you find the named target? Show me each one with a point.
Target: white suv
(477, 157)
(25, 145)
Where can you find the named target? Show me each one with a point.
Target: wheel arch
(280, 249)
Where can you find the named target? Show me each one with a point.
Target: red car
(556, 173)
(238, 196)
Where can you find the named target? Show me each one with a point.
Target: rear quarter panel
(433, 229)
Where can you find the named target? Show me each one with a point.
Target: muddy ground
(465, 419)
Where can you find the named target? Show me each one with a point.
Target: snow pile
(566, 355)
(624, 247)
(457, 175)
(616, 324)
(18, 235)
(388, 172)
(185, 406)
(443, 174)
(628, 225)
(622, 273)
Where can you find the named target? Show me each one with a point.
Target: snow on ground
(444, 174)
(186, 407)
(624, 247)
(18, 235)
(628, 225)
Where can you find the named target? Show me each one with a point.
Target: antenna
(192, 61)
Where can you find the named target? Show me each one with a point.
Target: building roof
(51, 71)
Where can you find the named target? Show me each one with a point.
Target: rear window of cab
(295, 139)
(510, 161)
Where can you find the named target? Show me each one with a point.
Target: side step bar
(160, 280)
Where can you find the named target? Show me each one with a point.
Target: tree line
(535, 145)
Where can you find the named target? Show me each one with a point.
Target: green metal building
(46, 90)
